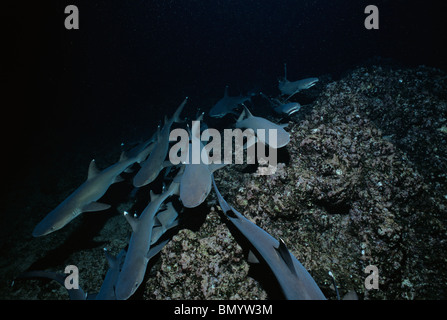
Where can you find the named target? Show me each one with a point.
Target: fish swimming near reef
(247, 120)
(135, 263)
(152, 166)
(295, 281)
(84, 198)
(195, 183)
(107, 290)
(291, 88)
(284, 109)
(227, 105)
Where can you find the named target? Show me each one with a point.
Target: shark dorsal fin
(92, 170)
(226, 91)
(247, 112)
(285, 255)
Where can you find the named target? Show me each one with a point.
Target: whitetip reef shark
(295, 281)
(156, 161)
(135, 263)
(227, 104)
(284, 109)
(84, 198)
(195, 183)
(291, 88)
(107, 290)
(247, 120)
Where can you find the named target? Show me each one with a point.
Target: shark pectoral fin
(285, 255)
(252, 257)
(153, 251)
(95, 206)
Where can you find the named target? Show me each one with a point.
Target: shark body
(155, 162)
(84, 198)
(284, 109)
(296, 283)
(135, 264)
(247, 120)
(291, 88)
(227, 105)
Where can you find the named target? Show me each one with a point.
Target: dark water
(131, 60)
(74, 95)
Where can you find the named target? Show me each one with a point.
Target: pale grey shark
(247, 120)
(156, 161)
(107, 291)
(195, 183)
(165, 220)
(291, 88)
(295, 281)
(135, 264)
(284, 109)
(84, 198)
(227, 105)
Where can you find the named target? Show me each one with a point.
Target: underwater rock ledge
(364, 185)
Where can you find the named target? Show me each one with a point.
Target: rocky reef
(362, 182)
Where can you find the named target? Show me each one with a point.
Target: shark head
(288, 108)
(54, 221)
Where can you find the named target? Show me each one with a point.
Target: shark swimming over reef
(295, 282)
(84, 198)
(227, 105)
(247, 120)
(291, 88)
(156, 160)
(136, 260)
(195, 183)
(283, 109)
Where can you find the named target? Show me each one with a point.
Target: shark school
(191, 150)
